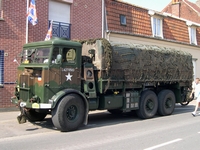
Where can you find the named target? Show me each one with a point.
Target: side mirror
(58, 59)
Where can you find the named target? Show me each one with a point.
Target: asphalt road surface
(179, 131)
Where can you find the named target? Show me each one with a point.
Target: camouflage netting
(137, 62)
(107, 51)
(150, 63)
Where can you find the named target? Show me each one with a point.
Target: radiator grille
(25, 90)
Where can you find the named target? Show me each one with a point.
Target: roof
(184, 9)
(138, 22)
(53, 41)
(192, 5)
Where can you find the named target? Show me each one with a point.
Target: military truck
(67, 79)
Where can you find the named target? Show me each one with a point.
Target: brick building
(184, 9)
(82, 19)
(12, 38)
(69, 21)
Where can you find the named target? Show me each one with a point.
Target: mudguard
(58, 96)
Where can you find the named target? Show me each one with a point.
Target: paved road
(104, 131)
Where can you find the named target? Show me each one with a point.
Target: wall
(86, 19)
(12, 38)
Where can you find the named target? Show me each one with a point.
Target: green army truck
(67, 79)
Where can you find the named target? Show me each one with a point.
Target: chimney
(176, 8)
(198, 3)
(175, 1)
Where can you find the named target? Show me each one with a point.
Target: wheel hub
(168, 103)
(150, 104)
(71, 112)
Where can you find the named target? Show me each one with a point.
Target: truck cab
(47, 72)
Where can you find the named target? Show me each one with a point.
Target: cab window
(69, 55)
(55, 54)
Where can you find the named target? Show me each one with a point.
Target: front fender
(58, 96)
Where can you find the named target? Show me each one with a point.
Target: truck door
(70, 69)
(54, 73)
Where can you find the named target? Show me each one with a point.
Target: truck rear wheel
(148, 105)
(186, 99)
(69, 113)
(166, 102)
(32, 115)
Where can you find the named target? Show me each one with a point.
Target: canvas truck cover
(139, 62)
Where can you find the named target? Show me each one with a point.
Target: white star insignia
(69, 77)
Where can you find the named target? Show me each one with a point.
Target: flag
(49, 32)
(32, 15)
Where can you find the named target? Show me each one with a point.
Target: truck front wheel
(166, 102)
(148, 105)
(69, 113)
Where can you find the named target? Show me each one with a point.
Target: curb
(9, 109)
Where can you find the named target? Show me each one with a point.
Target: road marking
(163, 144)
(198, 132)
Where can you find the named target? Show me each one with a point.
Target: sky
(157, 5)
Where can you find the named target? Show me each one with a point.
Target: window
(39, 55)
(194, 61)
(55, 54)
(122, 19)
(156, 24)
(192, 35)
(1, 68)
(69, 55)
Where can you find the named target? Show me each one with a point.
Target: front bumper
(21, 104)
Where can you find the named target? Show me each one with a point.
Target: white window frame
(192, 34)
(194, 60)
(122, 19)
(157, 26)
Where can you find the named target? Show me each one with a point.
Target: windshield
(39, 55)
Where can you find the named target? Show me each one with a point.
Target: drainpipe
(103, 18)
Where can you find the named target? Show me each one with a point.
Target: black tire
(69, 113)
(148, 105)
(32, 115)
(115, 111)
(166, 102)
(184, 103)
(186, 99)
